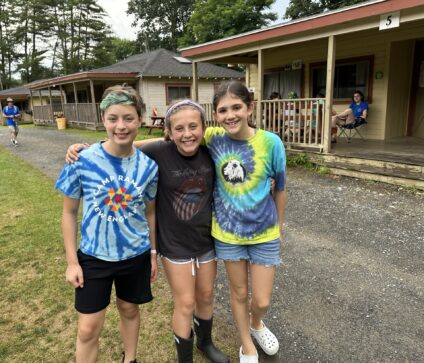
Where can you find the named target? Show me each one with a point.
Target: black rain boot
(203, 330)
(123, 359)
(184, 348)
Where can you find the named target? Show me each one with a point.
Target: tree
(30, 33)
(8, 44)
(122, 48)
(80, 30)
(160, 23)
(301, 8)
(216, 19)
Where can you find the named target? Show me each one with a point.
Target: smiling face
(186, 130)
(122, 123)
(233, 114)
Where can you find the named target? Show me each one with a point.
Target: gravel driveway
(351, 288)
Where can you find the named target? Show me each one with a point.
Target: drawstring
(193, 262)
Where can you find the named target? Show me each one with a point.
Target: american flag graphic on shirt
(190, 198)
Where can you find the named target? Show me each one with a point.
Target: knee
(240, 295)
(88, 333)
(185, 306)
(128, 310)
(204, 297)
(261, 303)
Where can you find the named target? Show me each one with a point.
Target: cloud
(118, 18)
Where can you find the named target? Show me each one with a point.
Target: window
(177, 92)
(283, 82)
(349, 75)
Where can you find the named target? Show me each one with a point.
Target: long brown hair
(237, 89)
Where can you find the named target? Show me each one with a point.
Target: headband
(114, 98)
(186, 102)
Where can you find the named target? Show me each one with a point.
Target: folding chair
(350, 130)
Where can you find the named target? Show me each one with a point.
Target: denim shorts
(266, 253)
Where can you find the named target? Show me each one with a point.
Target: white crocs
(266, 339)
(248, 358)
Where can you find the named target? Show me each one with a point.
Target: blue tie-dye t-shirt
(244, 209)
(114, 193)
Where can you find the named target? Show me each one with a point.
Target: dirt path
(351, 288)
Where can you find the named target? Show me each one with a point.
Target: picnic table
(158, 122)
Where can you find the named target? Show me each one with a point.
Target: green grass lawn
(38, 321)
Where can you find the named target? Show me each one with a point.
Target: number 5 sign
(389, 21)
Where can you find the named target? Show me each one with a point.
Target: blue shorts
(267, 253)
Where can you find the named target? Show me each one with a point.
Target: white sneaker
(266, 339)
(248, 358)
(15, 142)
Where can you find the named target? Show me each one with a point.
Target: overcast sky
(121, 22)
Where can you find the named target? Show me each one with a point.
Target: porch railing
(208, 107)
(85, 115)
(298, 122)
(81, 115)
(44, 115)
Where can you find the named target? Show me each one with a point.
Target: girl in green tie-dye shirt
(247, 219)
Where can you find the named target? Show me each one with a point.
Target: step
(405, 174)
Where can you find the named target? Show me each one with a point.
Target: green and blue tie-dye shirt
(244, 209)
(114, 193)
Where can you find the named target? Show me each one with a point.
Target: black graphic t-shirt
(183, 201)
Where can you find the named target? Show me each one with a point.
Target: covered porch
(81, 94)
(329, 56)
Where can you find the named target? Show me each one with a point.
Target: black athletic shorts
(131, 277)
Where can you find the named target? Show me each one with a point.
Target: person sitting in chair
(356, 113)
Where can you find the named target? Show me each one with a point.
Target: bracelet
(153, 251)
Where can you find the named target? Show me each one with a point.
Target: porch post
(41, 97)
(51, 104)
(76, 101)
(247, 75)
(93, 102)
(195, 90)
(63, 95)
(329, 91)
(259, 121)
(32, 105)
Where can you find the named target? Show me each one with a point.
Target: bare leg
(129, 327)
(182, 284)
(205, 280)
(344, 118)
(262, 281)
(89, 328)
(238, 277)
